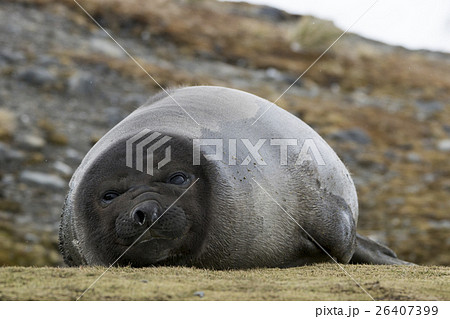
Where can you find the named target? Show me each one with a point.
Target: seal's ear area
(68, 242)
(370, 252)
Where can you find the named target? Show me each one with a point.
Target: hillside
(64, 83)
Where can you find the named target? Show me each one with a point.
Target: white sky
(414, 24)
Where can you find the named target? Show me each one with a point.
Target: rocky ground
(64, 83)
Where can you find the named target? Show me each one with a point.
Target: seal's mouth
(143, 253)
(149, 237)
(148, 240)
(149, 223)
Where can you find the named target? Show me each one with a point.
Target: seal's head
(114, 209)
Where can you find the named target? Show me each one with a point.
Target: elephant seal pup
(161, 189)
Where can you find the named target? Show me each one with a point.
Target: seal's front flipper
(370, 252)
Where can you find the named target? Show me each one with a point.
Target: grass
(315, 35)
(316, 282)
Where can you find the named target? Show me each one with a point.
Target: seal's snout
(139, 217)
(130, 225)
(147, 211)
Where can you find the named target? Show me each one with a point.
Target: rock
(9, 154)
(107, 47)
(145, 36)
(360, 97)
(276, 15)
(25, 119)
(427, 109)
(63, 168)
(444, 145)
(428, 144)
(370, 164)
(413, 157)
(274, 74)
(43, 179)
(8, 179)
(263, 12)
(31, 142)
(200, 294)
(37, 76)
(429, 178)
(335, 88)
(81, 83)
(405, 147)
(29, 237)
(312, 92)
(47, 60)
(133, 100)
(114, 115)
(441, 224)
(413, 189)
(295, 47)
(10, 56)
(355, 135)
(395, 201)
(446, 128)
(446, 186)
(390, 155)
(74, 155)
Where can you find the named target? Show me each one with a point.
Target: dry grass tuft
(51, 134)
(8, 124)
(314, 35)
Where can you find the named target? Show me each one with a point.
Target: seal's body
(218, 191)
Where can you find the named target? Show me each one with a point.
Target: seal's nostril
(139, 217)
(154, 217)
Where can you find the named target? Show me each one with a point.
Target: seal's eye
(178, 179)
(109, 196)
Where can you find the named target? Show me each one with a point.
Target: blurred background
(385, 109)
(414, 24)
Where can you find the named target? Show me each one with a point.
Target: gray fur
(226, 220)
